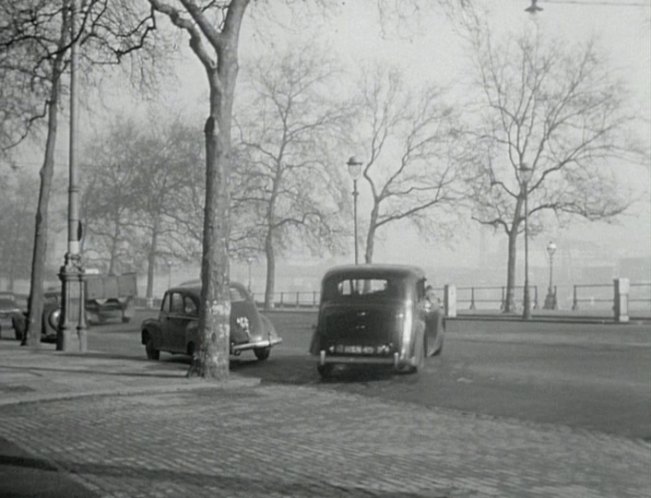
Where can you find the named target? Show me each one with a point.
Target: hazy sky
(427, 49)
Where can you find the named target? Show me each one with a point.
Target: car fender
(151, 328)
(269, 328)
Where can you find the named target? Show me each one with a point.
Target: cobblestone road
(275, 441)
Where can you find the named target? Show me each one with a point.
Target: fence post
(622, 288)
(535, 297)
(575, 301)
(298, 304)
(503, 303)
(282, 299)
(450, 300)
(472, 298)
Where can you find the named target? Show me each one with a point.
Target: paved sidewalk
(129, 428)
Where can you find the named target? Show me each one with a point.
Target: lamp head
(551, 248)
(354, 168)
(533, 8)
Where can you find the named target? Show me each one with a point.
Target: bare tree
(412, 142)
(167, 163)
(553, 109)
(35, 39)
(214, 31)
(109, 195)
(138, 194)
(290, 179)
(16, 226)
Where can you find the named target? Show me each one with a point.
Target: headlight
(53, 319)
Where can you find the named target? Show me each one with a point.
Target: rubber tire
(420, 361)
(152, 353)
(19, 325)
(325, 371)
(262, 353)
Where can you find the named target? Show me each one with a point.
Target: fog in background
(425, 49)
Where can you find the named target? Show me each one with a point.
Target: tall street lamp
(71, 274)
(550, 299)
(249, 260)
(525, 177)
(355, 170)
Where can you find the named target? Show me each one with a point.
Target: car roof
(194, 287)
(376, 270)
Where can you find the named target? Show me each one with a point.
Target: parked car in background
(176, 328)
(107, 297)
(10, 311)
(376, 315)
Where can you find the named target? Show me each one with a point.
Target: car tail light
(405, 320)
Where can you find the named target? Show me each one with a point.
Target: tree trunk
(35, 302)
(151, 263)
(271, 271)
(509, 298)
(212, 360)
(370, 236)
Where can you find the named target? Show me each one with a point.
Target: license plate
(353, 349)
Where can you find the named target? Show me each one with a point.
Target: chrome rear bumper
(238, 348)
(359, 360)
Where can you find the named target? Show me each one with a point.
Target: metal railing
(640, 292)
(480, 297)
(495, 295)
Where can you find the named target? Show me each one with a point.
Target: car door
(174, 323)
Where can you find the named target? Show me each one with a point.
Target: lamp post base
(72, 330)
(550, 301)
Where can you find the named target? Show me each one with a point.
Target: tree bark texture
(35, 305)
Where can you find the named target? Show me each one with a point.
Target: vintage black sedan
(175, 329)
(376, 315)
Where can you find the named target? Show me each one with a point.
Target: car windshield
(364, 288)
(237, 295)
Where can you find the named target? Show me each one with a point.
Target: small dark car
(10, 312)
(175, 329)
(376, 315)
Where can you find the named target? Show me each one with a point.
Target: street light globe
(551, 248)
(354, 168)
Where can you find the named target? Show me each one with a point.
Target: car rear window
(237, 295)
(364, 288)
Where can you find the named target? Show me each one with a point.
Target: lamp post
(169, 273)
(355, 170)
(71, 274)
(525, 177)
(249, 260)
(550, 299)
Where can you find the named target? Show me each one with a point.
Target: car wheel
(325, 371)
(152, 352)
(18, 323)
(262, 353)
(418, 361)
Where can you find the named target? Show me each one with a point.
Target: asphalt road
(590, 376)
